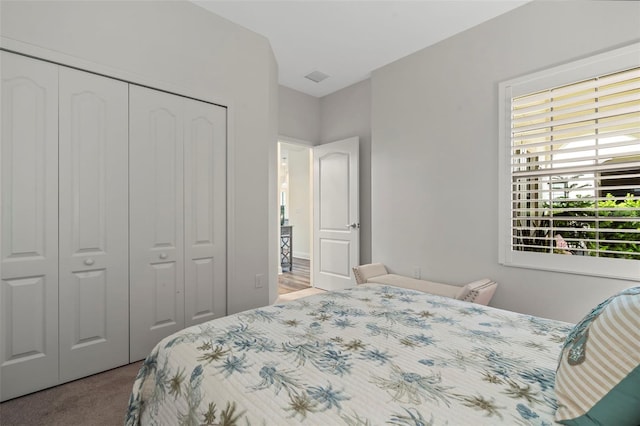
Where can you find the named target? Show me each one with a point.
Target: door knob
(163, 256)
(88, 262)
(353, 225)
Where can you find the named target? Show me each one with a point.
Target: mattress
(372, 354)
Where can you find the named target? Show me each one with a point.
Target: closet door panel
(156, 218)
(29, 249)
(205, 211)
(94, 290)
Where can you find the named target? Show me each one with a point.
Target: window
(570, 167)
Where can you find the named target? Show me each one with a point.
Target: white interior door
(156, 202)
(205, 211)
(29, 251)
(336, 218)
(94, 215)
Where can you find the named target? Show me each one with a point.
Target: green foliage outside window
(618, 235)
(576, 221)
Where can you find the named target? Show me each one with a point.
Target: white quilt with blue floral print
(370, 355)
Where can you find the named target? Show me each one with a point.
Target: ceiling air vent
(316, 76)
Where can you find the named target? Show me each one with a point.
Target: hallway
(297, 279)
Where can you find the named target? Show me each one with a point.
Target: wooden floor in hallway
(297, 279)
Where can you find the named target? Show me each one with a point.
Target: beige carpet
(298, 294)
(97, 400)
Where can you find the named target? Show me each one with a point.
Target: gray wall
(299, 115)
(176, 44)
(434, 153)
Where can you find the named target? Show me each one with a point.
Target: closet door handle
(163, 256)
(88, 262)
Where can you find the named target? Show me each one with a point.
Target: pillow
(598, 376)
(464, 291)
(364, 272)
(482, 295)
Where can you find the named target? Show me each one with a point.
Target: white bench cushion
(415, 284)
(479, 292)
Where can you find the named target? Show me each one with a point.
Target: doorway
(295, 195)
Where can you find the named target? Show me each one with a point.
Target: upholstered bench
(479, 292)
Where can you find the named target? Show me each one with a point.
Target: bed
(372, 354)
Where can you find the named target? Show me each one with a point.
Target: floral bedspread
(370, 355)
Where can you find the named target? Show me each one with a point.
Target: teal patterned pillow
(598, 377)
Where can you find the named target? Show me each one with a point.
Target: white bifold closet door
(29, 250)
(94, 214)
(177, 163)
(156, 218)
(205, 210)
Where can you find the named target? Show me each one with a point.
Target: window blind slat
(622, 126)
(618, 112)
(604, 141)
(569, 171)
(580, 101)
(622, 76)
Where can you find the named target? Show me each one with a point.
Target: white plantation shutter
(570, 177)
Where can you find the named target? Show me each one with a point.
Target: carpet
(101, 399)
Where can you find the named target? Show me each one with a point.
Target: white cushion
(415, 284)
(479, 292)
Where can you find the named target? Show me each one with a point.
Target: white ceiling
(349, 39)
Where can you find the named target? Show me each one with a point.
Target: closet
(178, 242)
(113, 221)
(92, 231)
